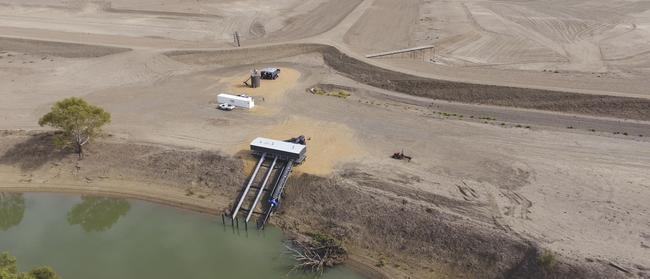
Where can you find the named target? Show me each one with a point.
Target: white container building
(235, 100)
(282, 149)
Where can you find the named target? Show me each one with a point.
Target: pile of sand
(329, 143)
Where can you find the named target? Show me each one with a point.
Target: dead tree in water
(316, 254)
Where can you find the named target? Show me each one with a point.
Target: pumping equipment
(280, 158)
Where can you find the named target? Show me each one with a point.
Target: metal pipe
(283, 180)
(261, 189)
(248, 186)
(277, 190)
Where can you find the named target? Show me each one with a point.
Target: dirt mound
(243, 56)
(599, 105)
(401, 229)
(68, 50)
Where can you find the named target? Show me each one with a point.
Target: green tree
(9, 270)
(97, 213)
(78, 121)
(44, 272)
(12, 209)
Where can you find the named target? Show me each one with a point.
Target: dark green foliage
(9, 270)
(44, 272)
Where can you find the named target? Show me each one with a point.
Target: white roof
(278, 145)
(269, 69)
(230, 96)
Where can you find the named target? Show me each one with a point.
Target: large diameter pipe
(248, 186)
(279, 188)
(261, 189)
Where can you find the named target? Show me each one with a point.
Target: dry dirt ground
(500, 173)
(595, 45)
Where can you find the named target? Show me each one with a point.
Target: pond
(96, 237)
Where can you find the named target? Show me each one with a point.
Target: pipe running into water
(248, 186)
(260, 191)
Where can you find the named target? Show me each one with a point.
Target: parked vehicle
(227, 107)
(270, 73)
(235, 100)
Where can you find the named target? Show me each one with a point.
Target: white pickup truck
(226, 107)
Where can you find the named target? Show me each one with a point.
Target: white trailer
(238, 101)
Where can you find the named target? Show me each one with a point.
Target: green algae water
(98, 237)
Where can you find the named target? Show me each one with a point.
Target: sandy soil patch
(271, 92)
(328, 143)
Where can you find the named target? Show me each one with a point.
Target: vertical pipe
(248, 186)
(223, 219)
(260, 191)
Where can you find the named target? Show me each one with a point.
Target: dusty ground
(500, 173)
(604, 41)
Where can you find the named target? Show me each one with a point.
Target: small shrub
(547, 260)
(340, 94)
(380, 263)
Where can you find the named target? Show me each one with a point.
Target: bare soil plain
(510, 160)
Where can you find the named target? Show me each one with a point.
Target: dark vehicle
(270, 73)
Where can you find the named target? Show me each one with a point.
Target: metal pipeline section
(248, 186)
(260, 191)
(279, 188)
(277, 192)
